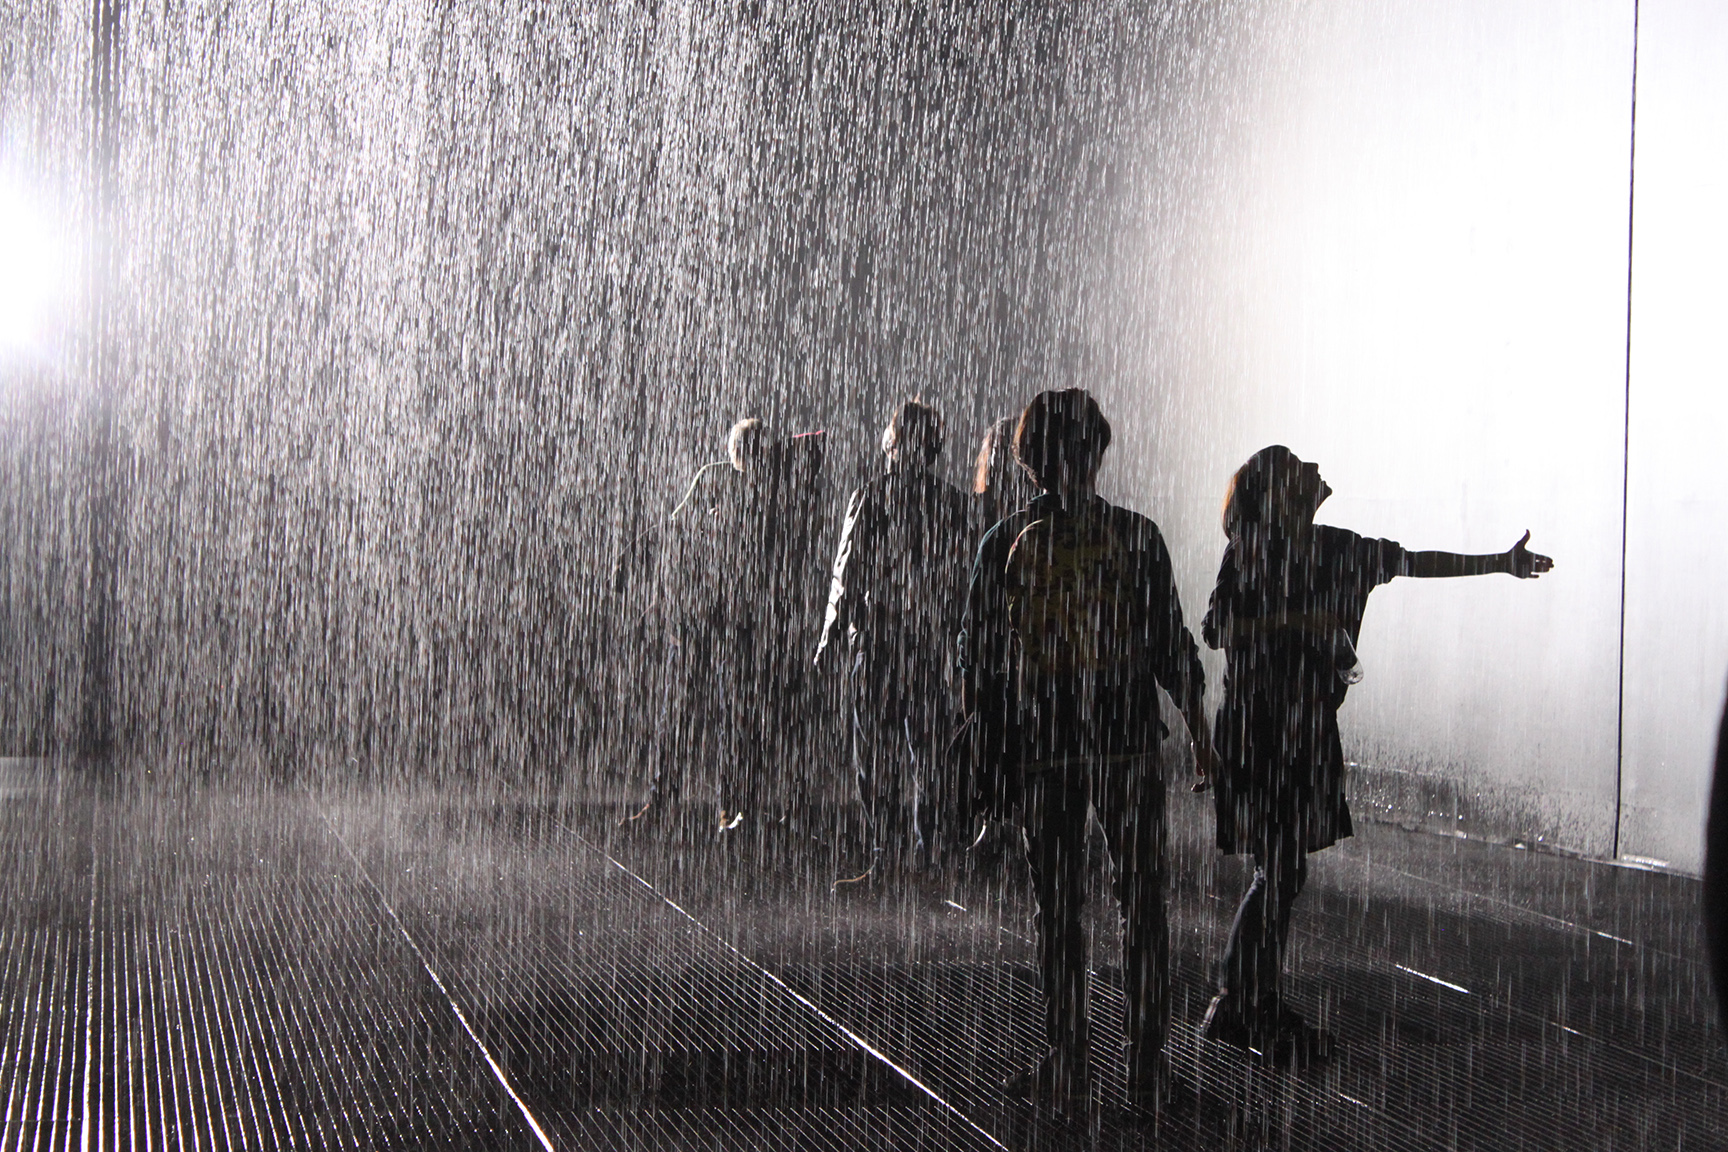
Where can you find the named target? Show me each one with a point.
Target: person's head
(1276, 490)
(1061, 439)
(913, 438)
(748, 446)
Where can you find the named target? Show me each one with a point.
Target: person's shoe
(1053, 1081)
(1299, 1043)
(1152, 1088)
(1225, 1024)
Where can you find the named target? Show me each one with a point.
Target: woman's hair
(1255, 488)
(995, 458)
(1058, 428)
(915, 431)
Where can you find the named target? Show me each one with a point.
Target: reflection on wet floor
(275, 969)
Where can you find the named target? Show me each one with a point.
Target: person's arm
(1516, 561)
(1176, 658)
(1247, 627)
(840, 601)
(976, 654)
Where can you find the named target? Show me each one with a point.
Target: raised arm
(1516, 561)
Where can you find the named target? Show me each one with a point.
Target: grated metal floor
(218, 969)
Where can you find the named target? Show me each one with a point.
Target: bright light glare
(34, 276)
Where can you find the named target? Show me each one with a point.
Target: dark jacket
(1072, 624)
(899, 582)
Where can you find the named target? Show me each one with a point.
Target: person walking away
(1072, 624)
(1287, 610)
(767, 573)
(895, 600)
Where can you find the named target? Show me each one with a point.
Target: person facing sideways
(771, 572)
(744, 540)
(1072, 624)
(894, 602)
(1287, 610)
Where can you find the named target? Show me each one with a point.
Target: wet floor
(212, 968)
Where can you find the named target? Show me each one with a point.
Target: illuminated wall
(1403, 251)
(1677, 538)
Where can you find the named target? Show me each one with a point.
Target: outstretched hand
(1525, 564)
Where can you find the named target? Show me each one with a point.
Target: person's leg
(933, 783)
(874, 742)
(664, 747)
(1055, 823)
(1239, 971)
(1286, 871)
(744, 687)
(1130, 802)
(1251, 975)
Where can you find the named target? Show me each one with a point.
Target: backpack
(1065, 578)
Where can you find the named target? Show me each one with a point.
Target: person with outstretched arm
(1287, 610)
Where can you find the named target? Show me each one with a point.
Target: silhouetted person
(894, 604)
(1287, 609)
(1072, 624)
(669, 586)
(1716, 873)
(769, 574)
(999, 484)
(734, 568)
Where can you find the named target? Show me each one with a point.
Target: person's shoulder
(951, 492)
(1336, 539)
(1002, 533)
(1136, 529)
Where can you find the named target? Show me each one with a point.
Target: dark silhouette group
(1001, 656)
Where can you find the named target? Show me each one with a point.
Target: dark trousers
(1251, 973)
(685, 732)
(900, 723)
(1129, 798)
(734, 705)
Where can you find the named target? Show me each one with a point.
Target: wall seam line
(1626, 452)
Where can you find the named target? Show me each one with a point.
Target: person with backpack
(1287, 610)
(1072, 625)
